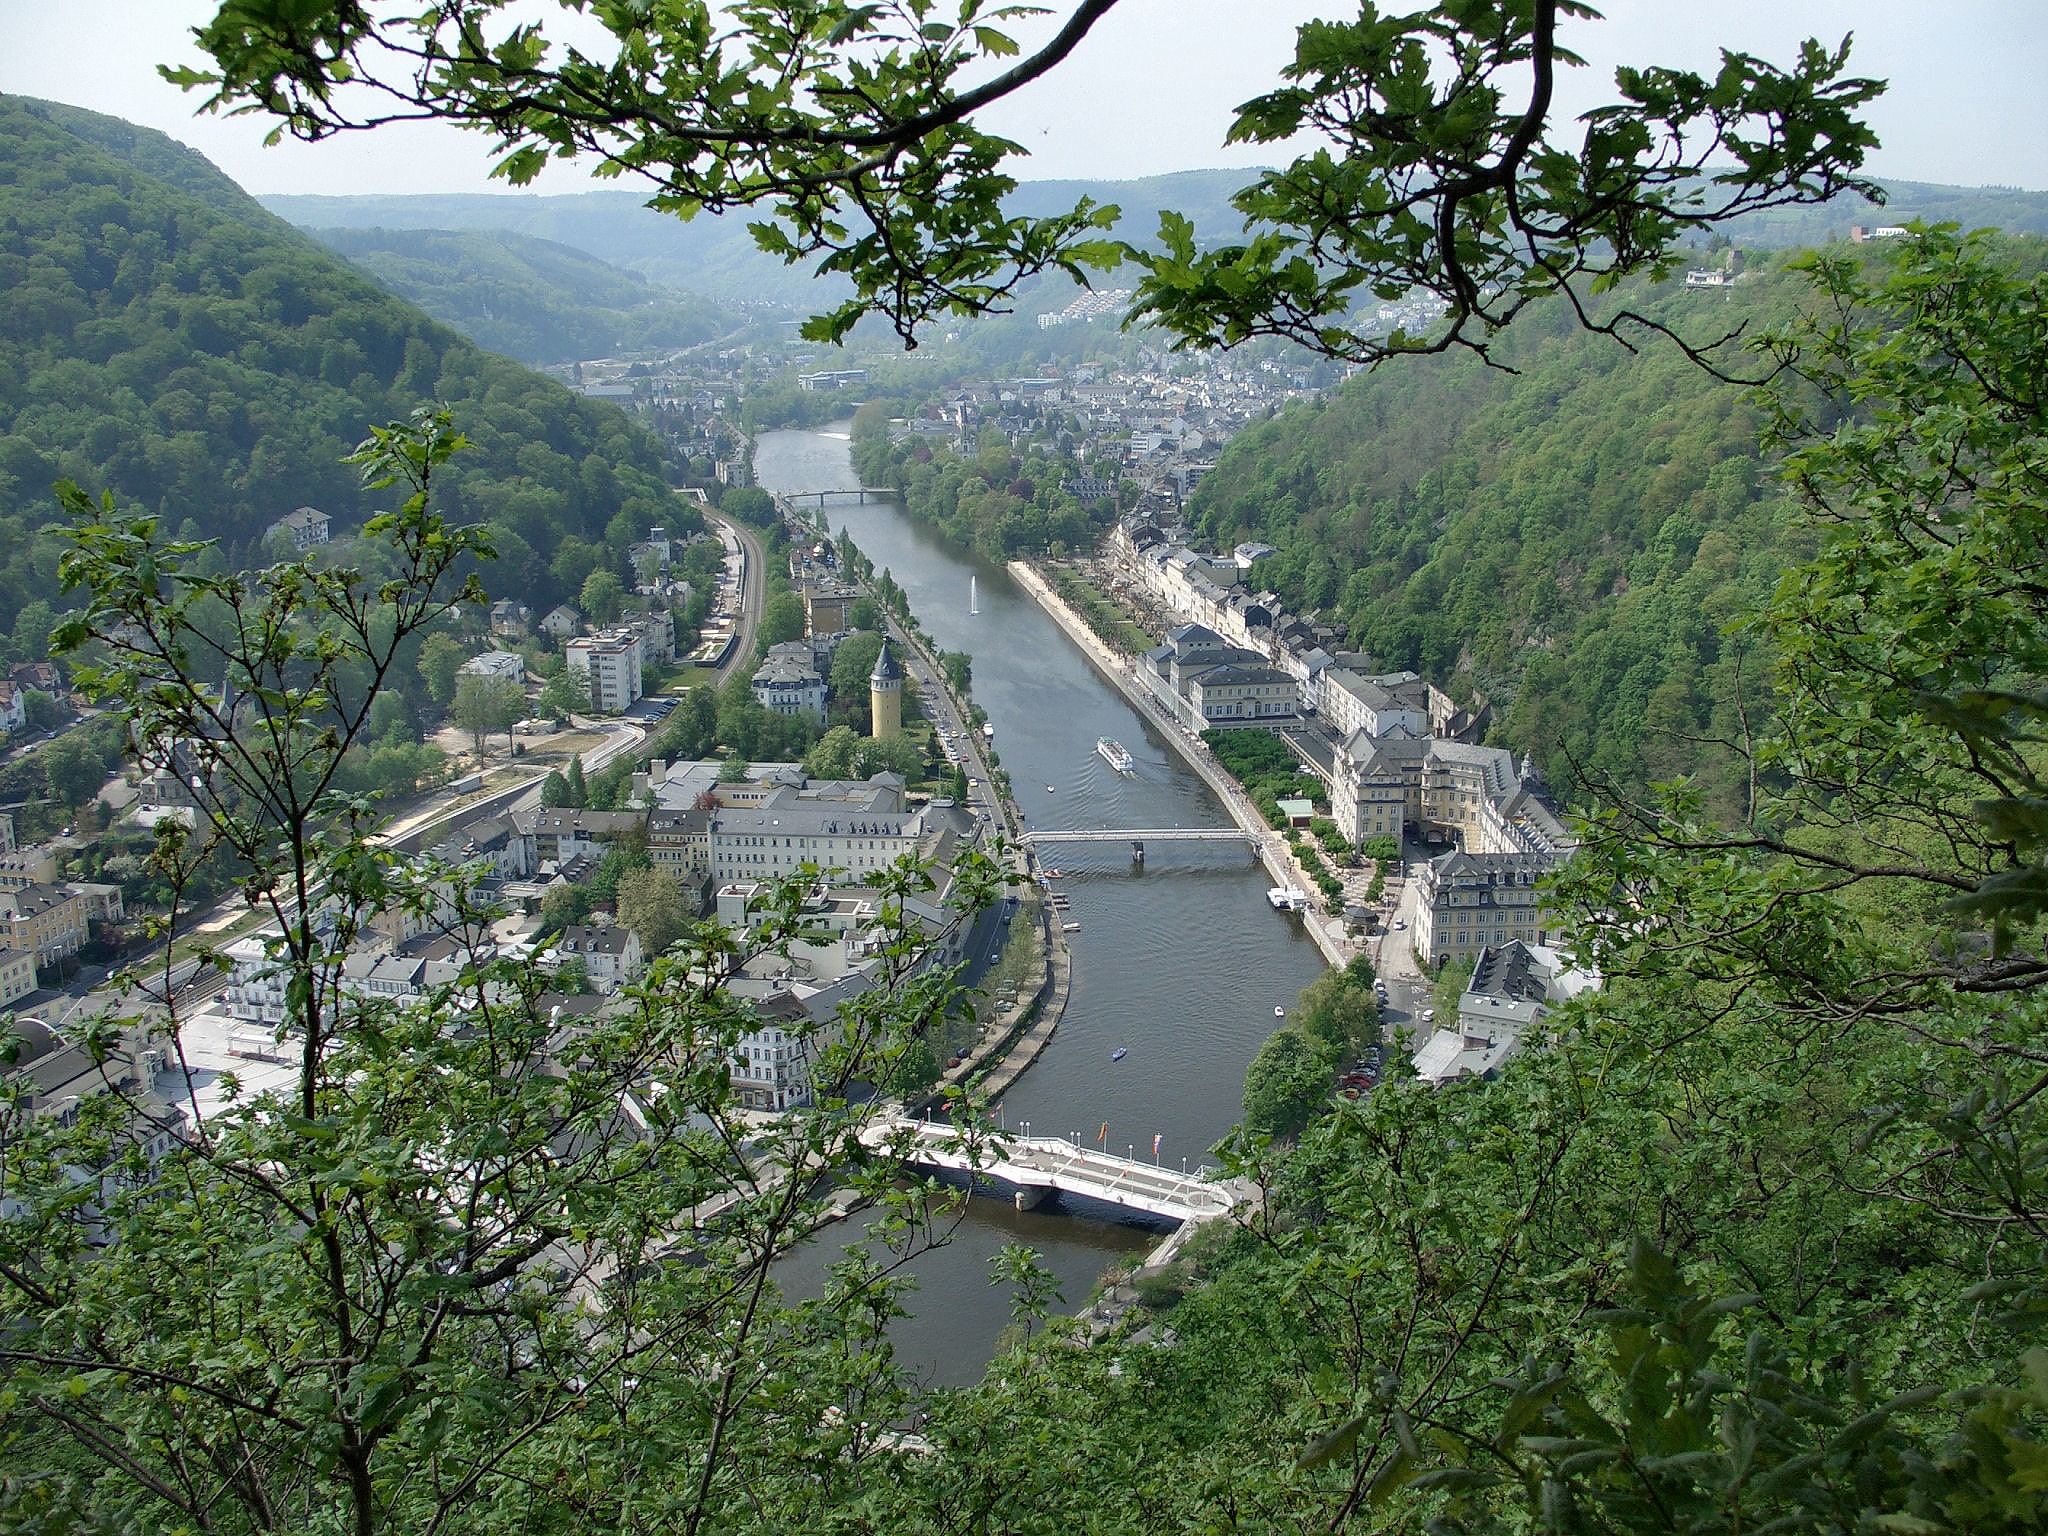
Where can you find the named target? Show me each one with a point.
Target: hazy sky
(1151, 89)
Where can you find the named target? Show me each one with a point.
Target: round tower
(885, 694)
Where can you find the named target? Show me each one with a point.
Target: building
(510, 618)
(1467, 901)
(509, 666)
(13, 707)
(23, 867)
(555, 836)
(1236, 694)
(1514, 987)
(17, 975)
(786, 686)
(611, 661)
(52, 922)
(679, 845)
(885, 695)
(610, 954)
(307, 526)
(771, 1064)
(827, 607)
(561, 622)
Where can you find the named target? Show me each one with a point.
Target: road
(753, 597)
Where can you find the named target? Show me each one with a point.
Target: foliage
(1339, 1012)
(852, 128)
(915, 1070)
(1287, 1082)
(781, 620)
(486, 705)
(1570, 541)
(432, 1277)
(1267, 768)
(997, 501)
(170, 341)
(651, 904)
(564, 694)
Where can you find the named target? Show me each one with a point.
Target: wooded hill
(1570, 538)
(530, 299)
(167, 339)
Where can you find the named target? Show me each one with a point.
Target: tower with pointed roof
(885, 695)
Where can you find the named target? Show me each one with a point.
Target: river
(1178, 961)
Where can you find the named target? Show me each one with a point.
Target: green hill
(1568, 539)
(534, 300)
(166, 338)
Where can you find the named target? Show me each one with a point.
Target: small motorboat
(1279, 1012)
(1070, 927)
(1118, 1054)
(1050, 790)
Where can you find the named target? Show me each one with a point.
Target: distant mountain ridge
(711, 256)
(715, 256)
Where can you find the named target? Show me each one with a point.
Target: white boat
(1070, 927)
(973, 596)
(1115, 754)
(1287, 898)
(988, 732)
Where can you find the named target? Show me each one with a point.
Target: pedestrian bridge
(1037, 1165)
(1138, 837)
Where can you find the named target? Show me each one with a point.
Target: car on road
(1429, 1015)
(1400, 923)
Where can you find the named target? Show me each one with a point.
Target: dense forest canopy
(165, 338)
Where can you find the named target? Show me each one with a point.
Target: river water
(1178, 961)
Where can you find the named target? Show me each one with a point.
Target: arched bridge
(1038, 1164)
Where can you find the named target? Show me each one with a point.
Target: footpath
(1329, 936)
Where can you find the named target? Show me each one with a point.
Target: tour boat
(1115, 754)
(1285, 898)
(1118, 1054)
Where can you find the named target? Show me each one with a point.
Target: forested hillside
(530, 299)
(1569, 538)
(165, 338)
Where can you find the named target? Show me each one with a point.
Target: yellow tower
(885, 694)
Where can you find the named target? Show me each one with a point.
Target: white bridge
(1037, 1165)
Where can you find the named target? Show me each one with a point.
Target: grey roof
(887, 668)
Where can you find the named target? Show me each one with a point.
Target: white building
(611, 661)
(610, 953)
(508, 665)
(786, 686)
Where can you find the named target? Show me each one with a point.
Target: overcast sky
(1151, 89)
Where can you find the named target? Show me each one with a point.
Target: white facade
(508, 665)
(611, 661)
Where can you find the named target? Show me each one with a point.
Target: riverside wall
(1273, 852)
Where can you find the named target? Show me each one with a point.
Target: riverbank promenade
(1329, 935)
